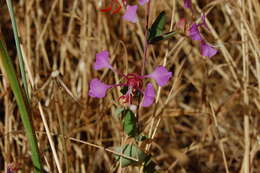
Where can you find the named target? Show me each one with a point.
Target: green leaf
(157, 27)
(155, 33)
(129, 123)
(130, 150)
(8, 68)
(162, 37)
(18, 48)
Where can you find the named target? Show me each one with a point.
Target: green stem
(8, 68)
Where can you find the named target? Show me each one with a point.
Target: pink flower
(187, 3)
(132, 86)
(130, 14)
(161, 75)
(207, 50)
(102, 60)
(149, 95)
(194, 32)
(98, 89)
(142, 2)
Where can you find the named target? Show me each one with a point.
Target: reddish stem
(146, 35)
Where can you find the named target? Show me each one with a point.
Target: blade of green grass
(18, 47)
(8, 68)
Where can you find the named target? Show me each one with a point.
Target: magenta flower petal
(207, 50)
(187, 3)
(130, 14)
(98, 89)
(142, 2)
(194, 32)
(161, 75)
(149, 95)
(102, 60)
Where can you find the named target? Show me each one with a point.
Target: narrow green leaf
(8, 68)
(157, 27)
(129, 123)
(18, 48)
(130, 150)
(162, 37)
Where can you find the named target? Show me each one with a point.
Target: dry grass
(206, 120)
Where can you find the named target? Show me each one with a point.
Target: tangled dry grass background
(206, 119)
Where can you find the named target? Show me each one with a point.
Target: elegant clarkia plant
(130, 12)
(133, 83)
(133, 88)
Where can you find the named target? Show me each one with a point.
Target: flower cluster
(133, 83)
(130, 13)
(194, 34)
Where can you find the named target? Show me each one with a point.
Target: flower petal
(161, 75)
(102, 60)
(187, 3)
(207, 50)
(130, 14)
(149, 95)
(142, 2)
(194, 32)
(97, 88)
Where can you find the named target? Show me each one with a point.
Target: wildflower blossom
(102, 61)
(207, 50)
(149, 95)
(130, 14)
(98, 89)
(194, 34)
(160, 75)
(133, 83)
